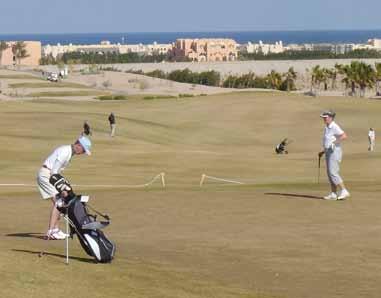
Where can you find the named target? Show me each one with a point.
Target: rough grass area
(47, 85)
(65, 93)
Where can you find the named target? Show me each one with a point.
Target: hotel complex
(202, 50)
(196, 50)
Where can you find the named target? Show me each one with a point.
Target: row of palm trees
(357, 77)
(18, 50)
(273, 80)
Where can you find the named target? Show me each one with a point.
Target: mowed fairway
(267, 238)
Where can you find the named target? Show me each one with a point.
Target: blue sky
(83, 16)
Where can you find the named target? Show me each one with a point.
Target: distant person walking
(372, 139)
(55, 164)
(86, 129)
(112, 121)
(333, 136)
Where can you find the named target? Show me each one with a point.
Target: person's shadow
(292, 195)
(44, 253)
(28, 235)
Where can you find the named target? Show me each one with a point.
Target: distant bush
(110, 68)
(185, 95)
(309, 55)
(151, 97)
(156, 74)
(113, 97)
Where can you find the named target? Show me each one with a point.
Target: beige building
(33, 49)
(201, 50)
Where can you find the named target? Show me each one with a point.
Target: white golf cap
(86, 144)
(327, 114)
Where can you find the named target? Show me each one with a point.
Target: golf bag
(82, 223)
(281, 148)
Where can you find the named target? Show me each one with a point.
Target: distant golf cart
(52, 77)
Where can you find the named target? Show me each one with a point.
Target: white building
(106, 47)
(263, 48)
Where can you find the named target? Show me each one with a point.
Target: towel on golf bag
(85, 225)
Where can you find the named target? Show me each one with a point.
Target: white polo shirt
(59, 159)
(331, 133)
(372, 134)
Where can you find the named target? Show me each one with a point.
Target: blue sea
(331, 36)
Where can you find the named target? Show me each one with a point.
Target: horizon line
(188, 32)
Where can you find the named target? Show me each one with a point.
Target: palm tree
(315, 72)
(326, 75)
(290, 77)
(3, 47)
(349, 77)
(19, 51)
(366, 77)
(359, 75)
(275, 79)
(378, 77)
(319, 75)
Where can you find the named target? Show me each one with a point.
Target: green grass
(65, 93)
(47, 85)
(113, 97)
(19, 77)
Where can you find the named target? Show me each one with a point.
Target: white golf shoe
(331, 197)
(56, 234)
(344, 195)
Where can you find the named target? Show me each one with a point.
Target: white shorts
(47, 190)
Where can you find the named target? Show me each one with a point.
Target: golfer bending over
(55, 164)
(333, 136)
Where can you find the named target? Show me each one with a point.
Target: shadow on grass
(28, 235)
(291, 195)
(44, 253)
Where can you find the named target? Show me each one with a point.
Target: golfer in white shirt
(372, 139)
(333, 136)
(55, 164)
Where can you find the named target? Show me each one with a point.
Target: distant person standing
(86, 129)
(372, 139)
(112, 121)
(333, 136)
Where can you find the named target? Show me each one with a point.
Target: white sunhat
(327, 114)
(86, 144)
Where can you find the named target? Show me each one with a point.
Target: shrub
(113, 97)
(151, 97)
(185, 95)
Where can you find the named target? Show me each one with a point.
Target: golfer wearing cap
(372, 139)
(55, 164)
(333, 136)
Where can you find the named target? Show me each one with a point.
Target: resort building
(106, 47)
(201, 50)
(262, 48)
(33, 54)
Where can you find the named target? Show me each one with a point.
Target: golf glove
(59, 203)
(332, 147)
